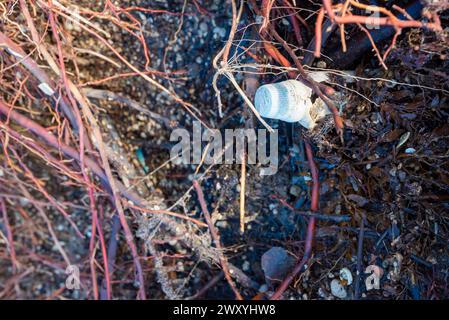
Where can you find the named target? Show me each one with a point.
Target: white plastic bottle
(289, 101)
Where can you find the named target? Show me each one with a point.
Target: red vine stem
(310, 228)
(216, 238)
(390, 20)
(9, 235)
(71, 152)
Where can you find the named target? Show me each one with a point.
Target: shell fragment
(338, 290)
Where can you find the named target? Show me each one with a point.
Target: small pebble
(263, 288)
(221, 224)
(295, 190)
(204, 27)
(220, 31)
(322, 293)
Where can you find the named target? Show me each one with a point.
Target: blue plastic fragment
(141, 159)
(415, 292)
(300, 202)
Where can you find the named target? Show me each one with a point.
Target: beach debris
(290, 101)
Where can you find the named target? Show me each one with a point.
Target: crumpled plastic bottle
(290, 101)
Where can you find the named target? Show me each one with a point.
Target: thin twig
(216, 238)
(359, 258)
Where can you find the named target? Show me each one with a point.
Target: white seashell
(289, 101)
(338, 290)
(346, 275)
